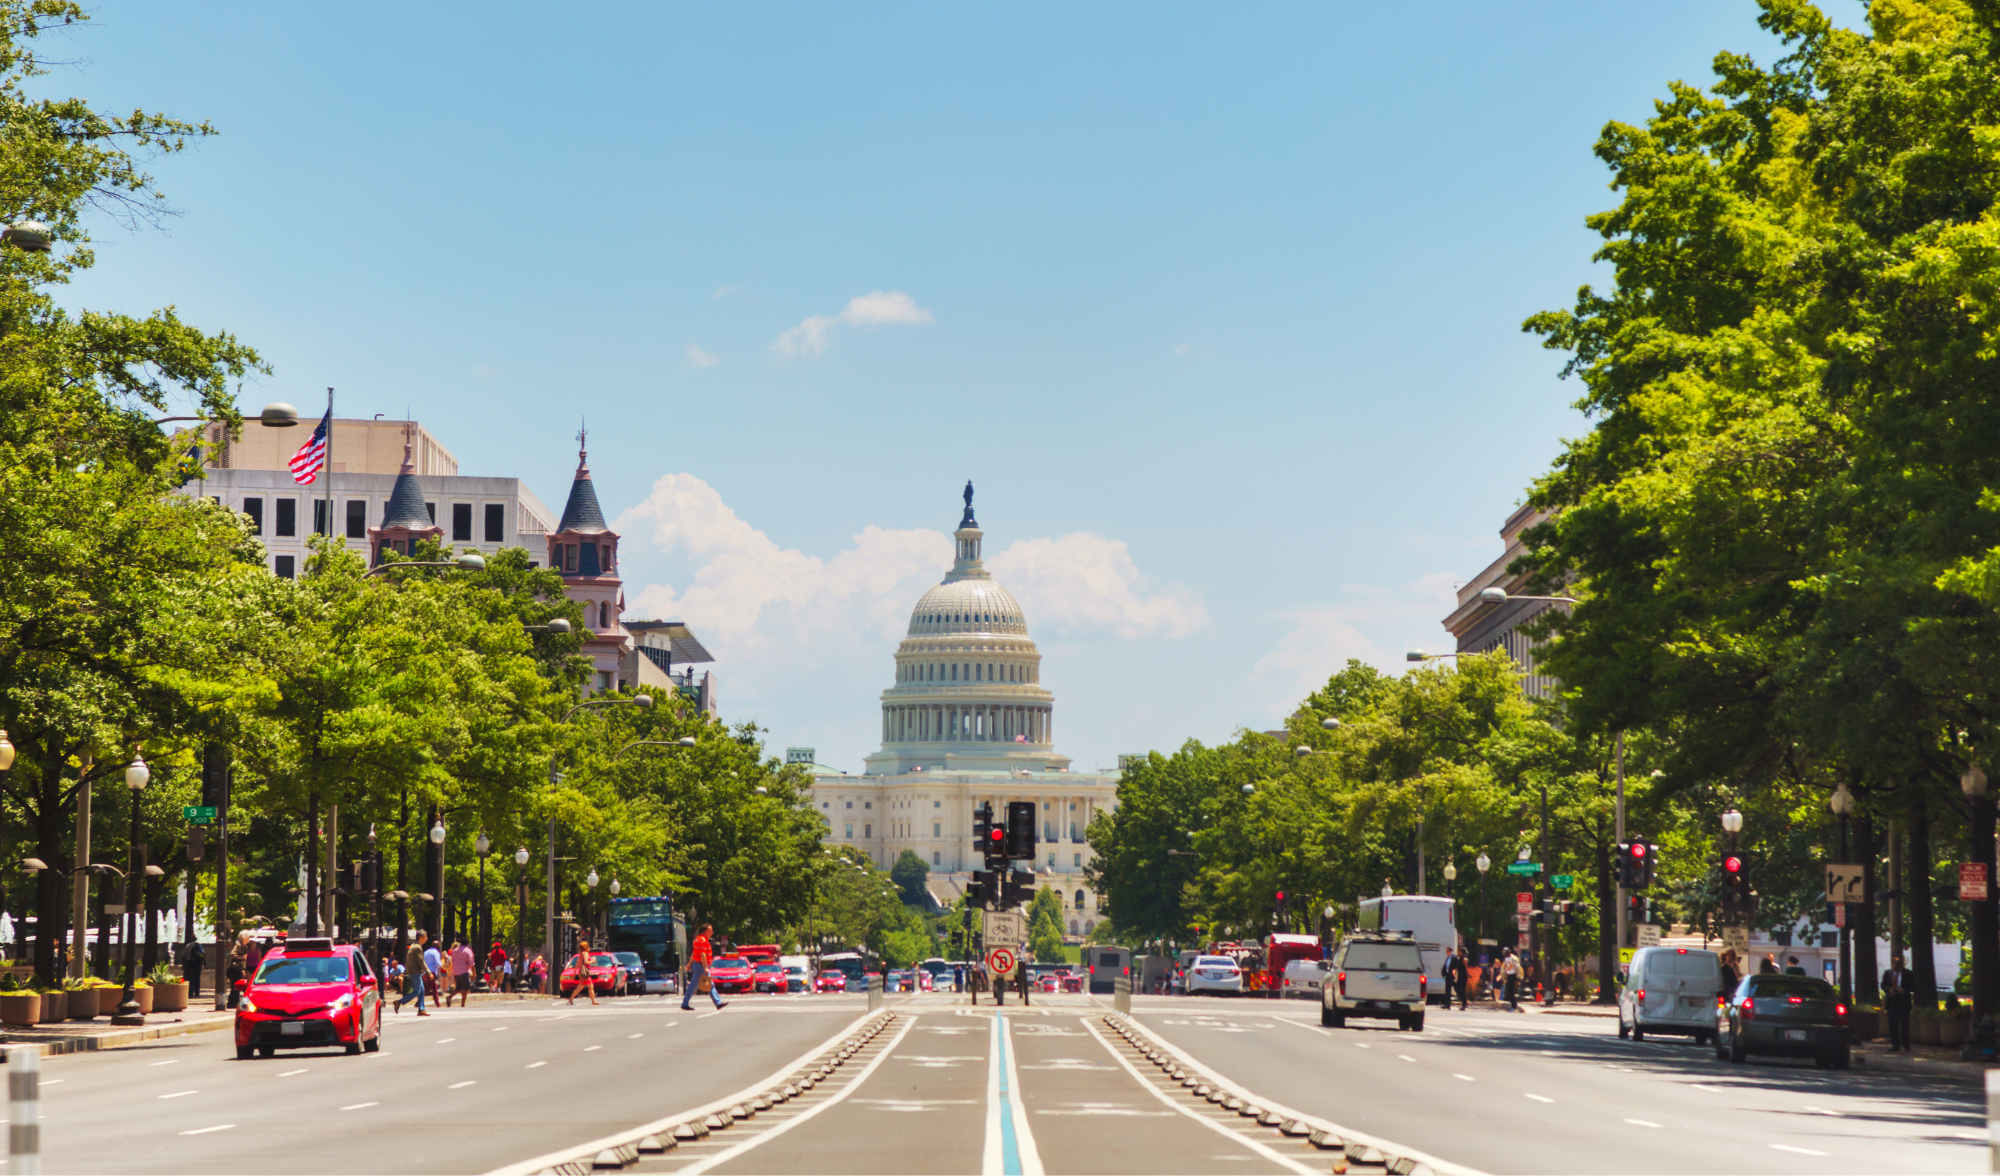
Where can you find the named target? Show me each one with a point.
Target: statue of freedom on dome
(968, 520)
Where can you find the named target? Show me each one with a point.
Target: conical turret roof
(406, 501)
(581, 512)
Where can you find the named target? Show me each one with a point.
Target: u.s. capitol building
(967, 721)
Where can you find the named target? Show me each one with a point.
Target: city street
(944, 1087)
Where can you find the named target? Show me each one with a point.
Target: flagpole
(329, 470)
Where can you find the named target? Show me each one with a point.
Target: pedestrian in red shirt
(698, 957)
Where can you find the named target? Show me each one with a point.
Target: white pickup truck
(1375, 974)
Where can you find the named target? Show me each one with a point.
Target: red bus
(759, 953)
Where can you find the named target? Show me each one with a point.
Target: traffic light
(1737, 901)
(984, 891)
(1015, 888)
(1636, 863)
(1021, 830)
(1281, 909)
(1638, 909)
(982, 824)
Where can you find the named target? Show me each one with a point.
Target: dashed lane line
(1642, 1122)
(1541, 1098)
(168, 1062)
(533, 1065)
(206, 1130)
(1465, 1077)
(1804, 1151)
(462, 1085)
(589, 1048)
(360, 1106)
(180, 1094)
(289, 1073)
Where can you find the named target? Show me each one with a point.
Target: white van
(1432, 921)
(1302, 979)
(1670, 990)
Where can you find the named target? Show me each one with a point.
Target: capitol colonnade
(927, 723)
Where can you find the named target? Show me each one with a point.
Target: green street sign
(198, 814)
(1563, 881)
(1524, 867)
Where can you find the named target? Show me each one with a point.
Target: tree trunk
(1607, 921)
(51, 889)
(1923, 922)
(1867, 969)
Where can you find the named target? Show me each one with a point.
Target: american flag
(311, 457)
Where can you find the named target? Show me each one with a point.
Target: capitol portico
(967, 721)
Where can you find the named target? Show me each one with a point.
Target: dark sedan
(1784, 1016)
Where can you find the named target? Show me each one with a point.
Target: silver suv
(1375, 974)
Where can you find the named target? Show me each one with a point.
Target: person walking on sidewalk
(1458, 976)
(1510, 973)
(192, 957)
(583, 980)
(413, 975)
(461, 974)
(698, 957)
(1896, 1002)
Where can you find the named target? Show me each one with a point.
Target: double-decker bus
(649, 927)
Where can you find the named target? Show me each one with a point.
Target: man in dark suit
(1896, 1000)
(1461, 979)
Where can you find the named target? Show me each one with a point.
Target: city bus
(849, 964)
(650, 928)
(1105, 963)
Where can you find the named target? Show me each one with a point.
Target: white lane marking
(1804, 1151)
(730, 1153)
(706, 1016)
(205, 1130)
(1719, 1090)
(1406, 1057)
(360, 1106)
(1541, 1098)
(461, 1085)
(180, 1094)
(53, 1081)
(633, 1036)
(1117, 1109)
(532, 1065)
(444, 1041)
(1642, 1123)
(1465, 1077)
(168, 1062)
(1361, 1045)
(915, 1104)
(1017, 1103)
(289, 1073)
(1822, 1111)
(588, 1048)
(500, 1028)
(1234, 1137)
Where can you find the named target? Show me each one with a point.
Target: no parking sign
(1000, 961)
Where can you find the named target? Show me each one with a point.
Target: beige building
(1479, 627)
(967, 721)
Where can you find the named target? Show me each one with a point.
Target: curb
(89, 1043)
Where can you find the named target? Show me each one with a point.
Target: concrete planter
(143, 993)
(1952, 1028)
(82, 1003)
(170, 998)
(20, 1008)
(1924, 1027)
(108, 1000)
(55, 1007)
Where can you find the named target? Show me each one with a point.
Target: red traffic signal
(1281, 896)
(1732, 863)
(1638, 849)
(999, 834)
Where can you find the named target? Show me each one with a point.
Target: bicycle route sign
(1000, 961)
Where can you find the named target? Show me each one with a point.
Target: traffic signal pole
(1618, 819)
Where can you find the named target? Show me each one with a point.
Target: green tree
(912, 877)
(1045, 927)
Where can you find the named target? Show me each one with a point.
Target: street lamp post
(521, 921)
(481, 932)
(434, 917)
(1985, 925)
(137, 774)
(374, 900)
(1842, 803)
(1484, 863)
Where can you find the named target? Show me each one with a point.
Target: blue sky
(1218, 306)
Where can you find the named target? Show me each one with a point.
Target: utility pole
(1542, 972)
(1618, 820)
(79, 882)
(218, 964)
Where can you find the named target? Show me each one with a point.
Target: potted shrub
(55, 1004)
(18, 1005)
(109, 996)
(170, 993)
(1924, 1026)
(82, 999)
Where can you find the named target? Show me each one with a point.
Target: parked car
(767, 978)
(632, 973)
(1302, 979)
(603, 974)
(1214, 973)
(310, 993)
(1786, 1016)
(796, 979)
(1671, 990)
(731, 974)
(1376, 974)
(831, 981)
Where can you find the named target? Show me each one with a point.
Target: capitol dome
(967, 695)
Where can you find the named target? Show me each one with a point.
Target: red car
(731, 974)
(1072, 982)
(310, 994)
(603, 974)
(831, 982)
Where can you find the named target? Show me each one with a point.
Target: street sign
(198, 814)
(1840, 914)
(1000, 961)
(1521, 922)
(1524, 902)
(1563, 881)
(1972, 881)
(1649, 934)
(1843, 883)
(1736, 939)
(114, 908)
(1006, 927)
(1489, 943)
(1624, 955)
(1524, 867)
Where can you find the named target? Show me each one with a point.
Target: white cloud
(1322, 639)
(1087, 582)
(697, 358)
(877, 309)
(724, 291)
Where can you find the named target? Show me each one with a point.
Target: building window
(1079, 900)
(496, 522)
(319, 517)
(254, 507)
(850, 830)
(937, 859)
(288, 517)
(357, 518)
(604, 679)
(867, 831)
(850, 804)
(868, 804)
(431, 511)
(823, 804)
(461, 522)
(937, 804)
(286, 568)
(569, 557)
(604, 614)
(1078, 862)
(937, 829)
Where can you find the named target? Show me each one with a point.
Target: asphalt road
(951, 1088)
(464, 1090)
(1509, 1093)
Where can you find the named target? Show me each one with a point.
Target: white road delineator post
(1992, 1120)
(1121, 993)
(24, 1096)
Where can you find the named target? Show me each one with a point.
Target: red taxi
(731, 973)
(310, 994)
(603, 974)
(831, 981)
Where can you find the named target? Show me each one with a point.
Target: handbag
(703, 985)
